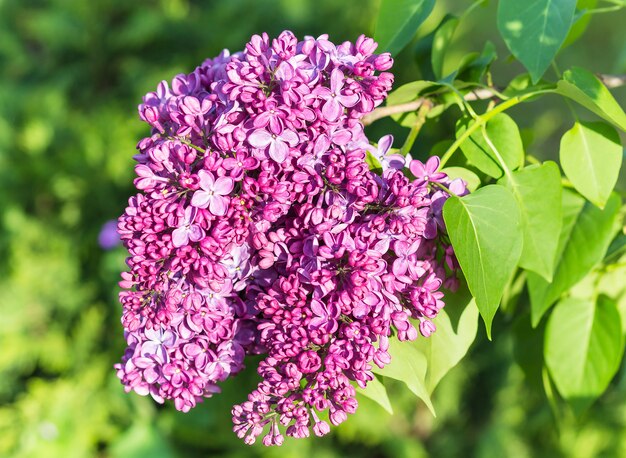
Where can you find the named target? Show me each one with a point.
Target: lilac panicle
(259, 228)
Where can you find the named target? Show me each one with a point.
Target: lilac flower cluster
(259, 228)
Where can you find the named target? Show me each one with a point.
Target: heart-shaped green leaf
(505, 136)
(534, 30)
(591, 156)
(398, 20)
(409, 366)
(585, 236)
(583, 347)
(538, 192)
(486, 233)
(586, 89)
(376, 391)
(446, 347)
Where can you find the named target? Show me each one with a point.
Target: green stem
(505, 168)
(480, 120)
(442, 186)
(417, 126)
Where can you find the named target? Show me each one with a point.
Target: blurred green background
(71, 75)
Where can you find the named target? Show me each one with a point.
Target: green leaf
(583, 347)
(591, 156)
(616, 248)
(538, 192)
(409, 366)
(522, 85)
(409, 92)
(373, 163)
(585, 236)
(398, 20)
(583, 87)
(528, 349)
(445, 347)
(534, 30)
(581, 20)
(485, 231)
(475, 69)
(504, 134)
(470, 178)
(375, 390)
(441, 40)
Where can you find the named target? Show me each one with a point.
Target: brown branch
(610, 81)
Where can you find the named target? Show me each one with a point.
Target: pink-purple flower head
(258, 228)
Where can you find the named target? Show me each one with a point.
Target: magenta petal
(223, 186)
(321, 145)
(417, 168)
(336, 81)
(395, 161)
(218, 205)
(400, 266)
(200, 199)
(458, 187)
(196, 233)
(168, 339)
(142, 389)
(142, 362)
(192, 350)
(384, 144)
(278, 151)
(432, 165)
(206, 180)
(180, 237)
(275, 125)
(150, 375)
(341, 137)
(349, 100)
(260, 138)
(332, 110)
(290, 137)
(192, 103)
(261, 120)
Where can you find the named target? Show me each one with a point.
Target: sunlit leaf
(585, 236)
(447, 345)
(441, 41)
(398, 20)
(583, 347)
(591, 156)
(505, 136)
(538, 192)
(585, 88)
(375, 390)
(534, 30)
(409, 366)
(470, 178)
(486, 233)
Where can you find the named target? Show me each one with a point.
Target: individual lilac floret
(188, 230)
(212, 193)
(381, 153)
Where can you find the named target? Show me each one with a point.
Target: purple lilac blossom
(259, 229)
